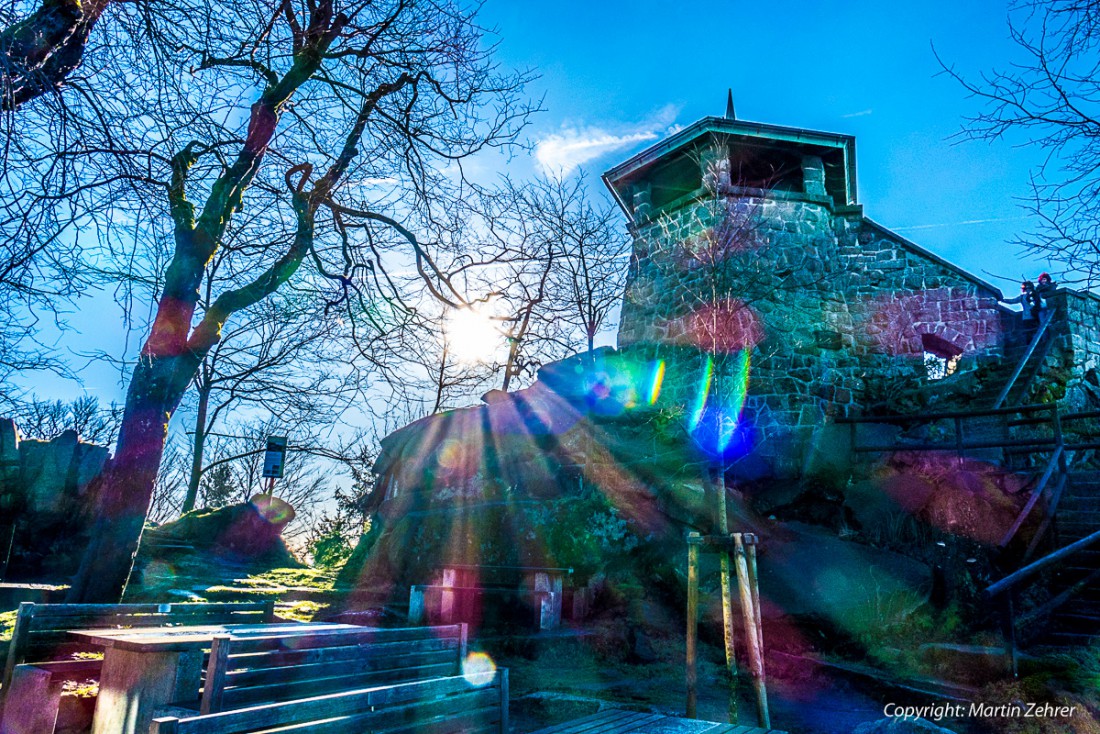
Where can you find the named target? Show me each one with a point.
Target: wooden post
(213, 689)
(17, 645)
(727, 595)
(447, 597)
(463, 648)
(502, 676)
(416, 604)
(1008, 621)
(692, 620)
(752, 631)
(750, 547)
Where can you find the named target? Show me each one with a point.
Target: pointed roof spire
(729, 106)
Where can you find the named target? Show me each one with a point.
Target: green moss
(299, 611)
(7, 624)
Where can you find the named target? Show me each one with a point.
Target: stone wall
(1076, 360)
(43, 484)
(831, 306)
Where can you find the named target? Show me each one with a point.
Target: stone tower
(763, 298)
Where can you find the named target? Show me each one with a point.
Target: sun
(472, 336)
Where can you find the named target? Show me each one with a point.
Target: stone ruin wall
(44, 488)
(847, 319)
(47, 477)
(1075, 358)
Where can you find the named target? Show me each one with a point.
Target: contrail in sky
(956, 224)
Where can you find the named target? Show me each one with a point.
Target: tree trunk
(44, 48)
(123, 492)
(196, 458)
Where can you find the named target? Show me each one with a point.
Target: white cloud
(861, 113)
(561, 153)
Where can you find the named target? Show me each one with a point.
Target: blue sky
(618, 76)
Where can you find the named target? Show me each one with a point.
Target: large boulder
(250, 532)
(807, 571)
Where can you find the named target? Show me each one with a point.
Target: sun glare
(472, 336)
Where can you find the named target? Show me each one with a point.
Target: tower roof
(836, 151)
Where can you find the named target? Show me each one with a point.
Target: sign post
(274, 460)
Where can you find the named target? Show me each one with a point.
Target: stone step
(1074, 516)
(1076, 623)
(1079, 606)
(1070, 639)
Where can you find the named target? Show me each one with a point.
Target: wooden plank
(502, 700)
(287, 658)
(94, 610)
(447, 692)
(213, 689)
(618, 721)
(238, 698)
(562, 727)
(349, 661)
(349, 636)
(289, 649)
(16, 647)
(594, 722)
(478, 710)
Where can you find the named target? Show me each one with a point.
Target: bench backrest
(516, 577)
(41, 630)
(452, 705)
(245, 671)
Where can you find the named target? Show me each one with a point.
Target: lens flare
(478, 669)
(701, 397)
(655, 382)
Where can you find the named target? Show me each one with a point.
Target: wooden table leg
(133, 685)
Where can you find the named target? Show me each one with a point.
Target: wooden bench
(451, 705)
(462, 590)
(244, 672)
(31, 692)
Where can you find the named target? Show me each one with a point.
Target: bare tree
(46, 420)
(280, 359)
(1046, 99)
(594, 250)
(381, 100)
(39, 49)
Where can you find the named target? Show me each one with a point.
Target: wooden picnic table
(146, 668)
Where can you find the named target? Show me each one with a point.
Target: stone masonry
(833, 308)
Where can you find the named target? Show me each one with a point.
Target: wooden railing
(1006, 590)
(1044, 322)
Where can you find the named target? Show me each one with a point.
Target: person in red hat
(1043, 291)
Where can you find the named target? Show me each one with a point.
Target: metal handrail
(1045, 319)
(921, 417)
(1011, 580)
(1007, 588)
(1035, 495)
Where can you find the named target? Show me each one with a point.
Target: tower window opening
(941, 357)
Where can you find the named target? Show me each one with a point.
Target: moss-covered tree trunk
(123, 493)
(38, 53)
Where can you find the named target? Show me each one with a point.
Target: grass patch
(299, 611)
(7, 624)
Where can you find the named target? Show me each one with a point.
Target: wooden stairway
(1009, 382)
(1077, 622)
